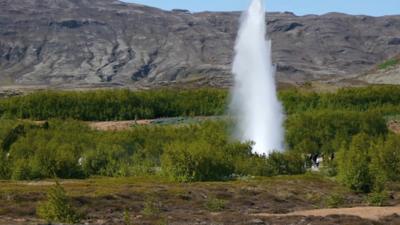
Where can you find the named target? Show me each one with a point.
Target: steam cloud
(254, 98)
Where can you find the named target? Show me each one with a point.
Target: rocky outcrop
(108, 43)
(386, 76)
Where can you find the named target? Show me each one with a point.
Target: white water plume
(254, 98)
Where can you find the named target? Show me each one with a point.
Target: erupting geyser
(254, 98)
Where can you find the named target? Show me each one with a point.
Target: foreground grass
(97, 196)
(153, 200)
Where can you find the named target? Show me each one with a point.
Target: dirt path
(117, 125)
(394, 126)
(125, 125)
(371, 213)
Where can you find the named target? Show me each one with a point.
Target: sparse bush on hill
(215, 205)
(389, 63)
(57, 208)
(152, 205)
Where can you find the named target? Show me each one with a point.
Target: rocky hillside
(96, 43)
(387, 72)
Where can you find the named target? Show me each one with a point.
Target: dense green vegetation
(350, 123)
(104, 105)
(107, 105)
(367, 163)
(69, 149)
(381, 99)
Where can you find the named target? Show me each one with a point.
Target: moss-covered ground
(158, 201)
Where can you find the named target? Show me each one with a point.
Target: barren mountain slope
(90, 43)
(385, 73)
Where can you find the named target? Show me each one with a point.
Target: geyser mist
(254, 99)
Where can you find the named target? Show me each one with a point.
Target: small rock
(394, 41)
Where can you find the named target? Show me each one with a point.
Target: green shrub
(369, 163)
(48, 153)
(57, 208)
(334, 200)
(105, 160)
(250, 165)
(377, 198)
(389, 63)
(215, 205)
(329, 168)
(276, 163)
(4, 166)
(12, 136)
(324, 131)
(288, 163)
(390, 157)
(376, 167)
(127, 218)
(353, 165)
(21, 170)
(152, 206)
(196, 161)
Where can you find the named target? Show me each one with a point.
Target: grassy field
(157, 201)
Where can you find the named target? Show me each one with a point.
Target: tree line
(107, 105)
(350, 124)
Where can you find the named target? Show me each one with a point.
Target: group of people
(317, 159)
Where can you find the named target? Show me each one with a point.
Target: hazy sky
(300, 7)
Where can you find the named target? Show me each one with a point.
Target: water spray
(254, 98)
